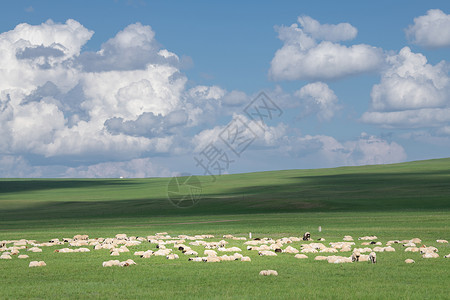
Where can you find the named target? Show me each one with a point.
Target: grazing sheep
(320, 257)
(127, 263)
(196, 259)
(447, 256)
(378, 249)
(412, 249)
(290, 249)
(121, 236)
(232, 249)
(339, 259)
(430, 255)
(226, 258)
(409, 244)
(321, 239)
(416, 240)
(190, 252)
(348, 238)
(35, 249)
(64, 250)
(210, 253)
(300, 256)
(373, 257)
(23, 256)
(148, 253)
(82, 250)
(442, 241)
(355, 256)
(268, 273)
(409, 261)
(172, 256)
(238, 255)
(211, 259)
(5, 256)
(430, 249)
(329, 250)
(368, 238)
(307, 236)
(163, 252)
(37, 264)
(309, 250)
(389, 249)
(111, 263)
(363, 258)
(245, 258)
(267, 253)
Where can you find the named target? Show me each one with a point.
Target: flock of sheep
(172, 247)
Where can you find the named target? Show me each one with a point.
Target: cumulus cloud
(310, 52)
(131, 49)
(126, 100)
(366, 150)
(431, 30)
(411, 94)
(317, 98)
(136, 168)
(241, 129)
(328, 32)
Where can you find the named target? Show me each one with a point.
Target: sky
(137, 88)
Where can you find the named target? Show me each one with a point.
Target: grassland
(398, 201)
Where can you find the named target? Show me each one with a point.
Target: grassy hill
(420, 185)
(399, 201)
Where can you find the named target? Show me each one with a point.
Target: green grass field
(399, 201)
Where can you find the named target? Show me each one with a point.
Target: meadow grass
(400, 201)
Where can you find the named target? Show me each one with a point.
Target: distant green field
(399, 201)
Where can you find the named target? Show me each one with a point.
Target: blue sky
(141, 88)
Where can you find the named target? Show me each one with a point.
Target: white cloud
(431, 30)
(328, 32)
(53, 106)
(302, 57)
(366, 150)
(16, 167)
(411, 94)
(317, 98)
(136, 168)
(263, 136)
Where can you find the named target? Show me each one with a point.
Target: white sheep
(320, 257)
(268, 273)
(412, 249)
(245, 258)
(290, 249)
(267, 253)
(301, 256)
(339, 259)
(110, 263)
(196, 259)
(172, 256)
(211, 259)
(37, 264)
(373, 257)
(442, 241)
(190, 252)
(23, 256)
(210, 253)
(5, 256)
(409, 261)
(389, 249)
(35, 249)
(447, 256)
(430, 255)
